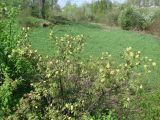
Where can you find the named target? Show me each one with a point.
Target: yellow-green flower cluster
(68, 45)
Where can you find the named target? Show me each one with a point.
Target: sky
(79, 2)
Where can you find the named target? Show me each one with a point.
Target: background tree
(101, 6)
(144, 3)
(42, 8)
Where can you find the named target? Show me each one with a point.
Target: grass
(113, 40)
(98, 40)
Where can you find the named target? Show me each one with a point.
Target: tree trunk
(42, 8)
(52, 4)
(139, 3)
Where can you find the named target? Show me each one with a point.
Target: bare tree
(53, 2)
(144, 3)
(42, 8)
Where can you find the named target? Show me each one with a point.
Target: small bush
(154, 27)
(59, 20)
(31, 21)
(131, 19)
(112, 17)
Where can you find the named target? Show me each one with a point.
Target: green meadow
(98, 40)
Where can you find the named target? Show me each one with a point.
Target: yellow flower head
(102, 80)
(154, 64)
(137, 56)
(71, 107)
(9, 56)
(131, 54)
(141, 87)
(150, 60)
(117, 70)
(145, 66)
(48, 75)
(146, 57)
(56, 72)
(129, 48)
(112, 72)
(108, 66)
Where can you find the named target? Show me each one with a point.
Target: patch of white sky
(80, 2)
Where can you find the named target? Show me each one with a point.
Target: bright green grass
(99, 40)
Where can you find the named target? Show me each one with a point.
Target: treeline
(35, 8)
(131, 15)
(144, 3)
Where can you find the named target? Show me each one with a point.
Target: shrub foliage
(131, 19)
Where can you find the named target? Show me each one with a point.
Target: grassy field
(113, 40)
(99, 40)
